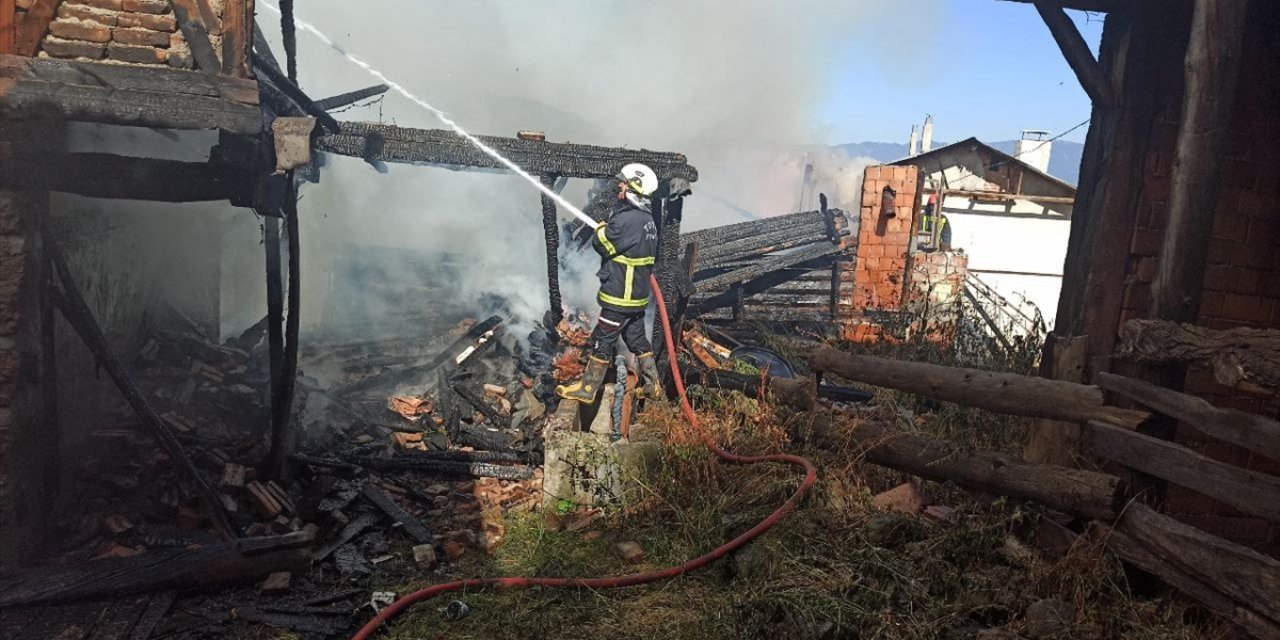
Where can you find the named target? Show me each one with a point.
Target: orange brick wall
(880, 267)
(1242, 280)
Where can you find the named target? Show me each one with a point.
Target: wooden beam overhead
(342, 100)
(389, 143)
(103, 175)
(1080, 5)
(1212, 68)
(1076, 50)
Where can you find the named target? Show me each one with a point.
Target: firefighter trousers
(614, 323)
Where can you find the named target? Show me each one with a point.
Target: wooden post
(275, 320)
(1212, 67)
(551, 232)
(1055, 441)
(1076, 50)
(8, 26)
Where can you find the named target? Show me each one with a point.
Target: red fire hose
(810, 476)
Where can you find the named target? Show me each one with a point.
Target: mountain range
(1064, 161)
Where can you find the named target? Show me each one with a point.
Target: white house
(1006, 213)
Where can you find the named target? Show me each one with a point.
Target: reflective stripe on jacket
(628, 244)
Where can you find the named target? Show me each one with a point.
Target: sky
(983, 68)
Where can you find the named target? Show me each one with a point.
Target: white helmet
(640, 179)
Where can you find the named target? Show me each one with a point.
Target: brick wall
(935, 288)
(127, 31)
(1242, 279)
(879, 270)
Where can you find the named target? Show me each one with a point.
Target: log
(1250, 492)
(243, 561)
(768, 265)
(1076, 51)
(1055, 441)
(80, 317)
(404, 462)
(1000, 392)
(1212, 65)
(1076, 491)
(1244, 357)
(1236, 582)
(408, 524)
(1243, 429)
(389, 143)
(732, 232)
(798, 393)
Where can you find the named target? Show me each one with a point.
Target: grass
(836, 568)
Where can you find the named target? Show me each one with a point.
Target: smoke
(734, 86)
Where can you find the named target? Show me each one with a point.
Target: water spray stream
(398, 88)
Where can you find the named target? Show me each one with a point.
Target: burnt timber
(388, 143)
(120, 94)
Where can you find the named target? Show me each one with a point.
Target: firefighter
(935, 229)
(627, 243)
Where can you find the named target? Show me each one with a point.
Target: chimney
(1033, 148)
(926, 141)
(915, 142)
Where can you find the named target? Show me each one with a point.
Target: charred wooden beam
(36, 99)
(1000, 392)
(1248, 491)
(1236, 582)
(290, 89)
(1251, 431)
(410, 525)
(551, 233)
(80, 317)
(715, 236)
(282, 406)
(275, 331)
(1081, 5)
(237, 39)
(103, 175)
(388, 143)
(479, 336)
(1212, 66)
(769, 265)
(243, 561)
(128, 78)
(1000, 195)
(1243, 357)
(351, 97)
(1076, 50)
(407, 462)
(1075, 491)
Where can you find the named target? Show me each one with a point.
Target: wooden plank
(408, 524)
(1076, 50)
(33, 25)
(188, 16)
(1055, 441)
(1080, 5)
(129, 77)
(1248, 491)
(157, 608)
(8, 26)
(1000, 195)
(1244, 357)
(235, 39)
(351, 97)
(1238, 583)
(1251, 431)
(23, 99)
(1000, 392)
(209, 17)
(240, 562)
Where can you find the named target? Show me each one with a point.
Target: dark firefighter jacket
(627, 244)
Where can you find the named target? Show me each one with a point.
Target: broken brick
(82, 31)
(630, 552)
(903, 498)
(454, 550)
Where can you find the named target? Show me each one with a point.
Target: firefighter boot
(650, 382)
(584, 389)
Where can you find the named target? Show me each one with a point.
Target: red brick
(82, 31)
(137, 55)
(871, 173)
(1230, 226)
(147, 21)
(59, 48)
(142, 37)
(114, 5)
(1211, 304)
(146, 6)
(1247, 308)
(1221, 278)
(82, 12)
(1146, 242)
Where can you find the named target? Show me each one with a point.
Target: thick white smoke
(734, 86)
